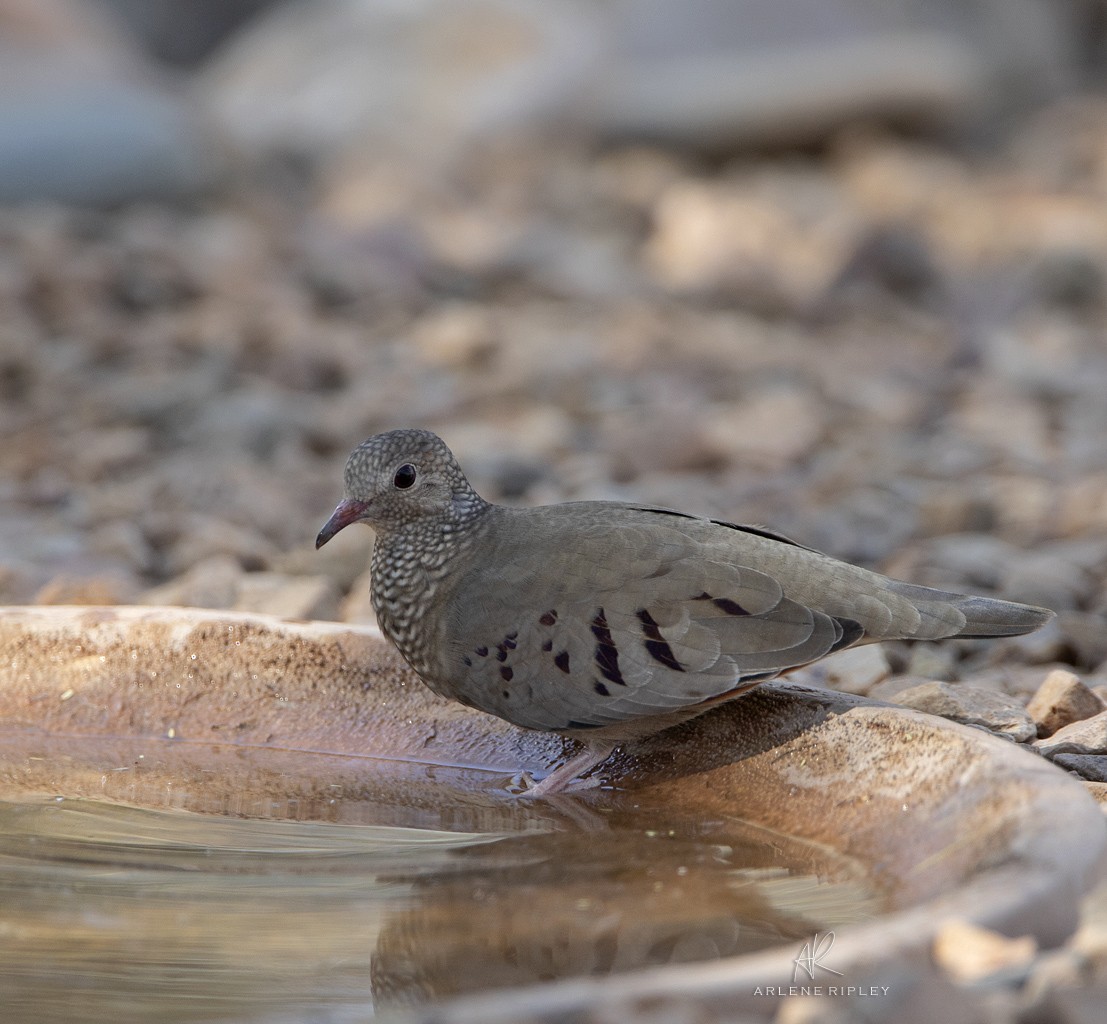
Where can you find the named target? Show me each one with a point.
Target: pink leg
(560, 778)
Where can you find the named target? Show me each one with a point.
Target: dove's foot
(567, 775)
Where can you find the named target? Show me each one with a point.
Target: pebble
(972, 705)
(1061, 700)
(1085, 737)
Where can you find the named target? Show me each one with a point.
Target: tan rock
(972, 705)
(1061, 700)
(1085, 737)
(969, 953)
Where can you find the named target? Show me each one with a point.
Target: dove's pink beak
(348, 511)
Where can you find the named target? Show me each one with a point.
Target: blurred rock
(1043, 646)
(220, 582)
(1092, 767)
(291, 597)
(419, 80)
(459, 336)
(98, 590)
(183, 33)
(888, 689)
(935, 662)
(1098, 791)
(19, 583)
(770, 428)
(855, 670)
(203, 538)
(1058, 575)
(972, 705)
(84, 119)
(969, 953)
(357, 605)
(1049, 579)
(1061, 700)
(1086, 636)
(1088, 736)
(720, 76)
(211, 583)
(1053, 971)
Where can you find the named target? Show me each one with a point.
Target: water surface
(113, 914)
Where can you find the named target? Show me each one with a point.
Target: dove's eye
(405, 476)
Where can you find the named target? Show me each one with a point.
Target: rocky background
(867, 310)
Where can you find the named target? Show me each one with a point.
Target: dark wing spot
(562, 661)
(582, 725)
(549, 618)
(506, 673)
(607, 654)
(725, 604)
(602, 690)
(547, 645)
(505, 694)
(852, 631)
(482, 652)
(656, 646)
(468, 661)
(501, 652)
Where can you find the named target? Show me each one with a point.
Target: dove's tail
(982, 616)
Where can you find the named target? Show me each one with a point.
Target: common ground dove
(607, 621)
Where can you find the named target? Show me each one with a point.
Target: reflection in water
(118, 915)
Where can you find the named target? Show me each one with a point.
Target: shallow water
(117, 914)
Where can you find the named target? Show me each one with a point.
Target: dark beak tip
(348, 511)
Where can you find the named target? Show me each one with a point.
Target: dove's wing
(627, 617)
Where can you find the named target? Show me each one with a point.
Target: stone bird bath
(240, 765)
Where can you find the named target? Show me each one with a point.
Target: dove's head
(401, 477)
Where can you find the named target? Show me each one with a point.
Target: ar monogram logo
(811, 956)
